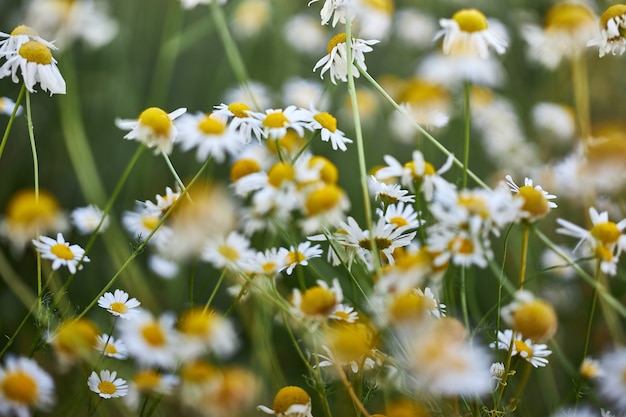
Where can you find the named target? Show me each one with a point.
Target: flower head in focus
(154, 128)
(337, 60)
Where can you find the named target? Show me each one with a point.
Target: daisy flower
(107, 385)
(458, 246)
(18, 37)
(86, 219)
(241, 120)
(143, 221)
(231, 251)
(74, 339)
(24, 385)
(345, 313)
(468, 32)
(338, 10)
(535, 353)
(532, 317)
(61, 253)
(317, 302)
(604, 240)
(210, 135)
(163, 202)
(537, 202)
(149, 381)
(326, 123)
(612, 24)
(290, 401)
(202, 331)
(612, 384)
(337, 61)
(275, 122)
(109, 346)
(401, 215)
(389, 193)
(119, 304)
(299, 255)
(154, 128)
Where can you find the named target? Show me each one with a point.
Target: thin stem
(522, 269)
(7, 130)
(581, 94)
(466, 146)
(355, 399)
(464, 309)
(217, 286)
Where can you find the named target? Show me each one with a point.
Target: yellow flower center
(349, 341)
(118, 307)
(535, 201)
(381, 243)
(327, 121)
(399, 221)
(20, 388)
(470, 20)
(147, 380)
(342, 315)
(336, 40)
(385, 6)
(110, 349)
(295, 257)
(475, 205)
(269, 267)
(419, 259)
(291, 142)
(196, 322)
(107, 387)
(603, 253)
(429, 169)
(239, 109)
(280, 172)
(149, 222)
(323, 199)
(328, 171)
(418, 91)
(228, 252)
(568, 16)
(535, 320)
(76, 337)
(243, 167)
(523, 349)
(461, 245)
(62, 251)
(409, 306)
(198, 372)
(288, 396)
(606, 232)
(36, 52)
(24, 30)
(211, 126)
(24, 210)
(153, 334)
(617, 10)
(275, 120)
(156, 119)
(318, 301)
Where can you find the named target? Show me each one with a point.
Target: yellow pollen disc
(407, 307)
(568, 16)
(150, 222)
(323, 199)
(76, 337)
(20, 388)
(461, 245)
(198, 372)
(327, 121)
(606, 232)
(535, 320)
(342, 315)
(106, 387)
(318, 301)
(610, 13)
(196, 322)
(603, 253)
(471, 20)
(275, 120)
(418, 91)
(228, 252)
(279, 173)
(269, 267)
(385, 6)
(110, 349)
(589, 370)
(399, 221)
(243, 167)
(295, 257)
(349, 341)
(381, 243)
(157, 119)
(520, 346)
(23, 208)
(291, 143)
(119, 307)
(239, 109)
(535, 201)
(153, 334)
(211, 126)
(328, 172)
(62, 251)
(419, 259)
(336, 40)
(36, 52)
(24, 30)
(147, 380)
(476, 205)
(288, 396)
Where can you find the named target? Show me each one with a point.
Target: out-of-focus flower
(250, 17)
(7, 105)
(86, 219)
(304, 34)
(24, 386)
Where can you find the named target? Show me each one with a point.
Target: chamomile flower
(468, 32)
(73, 340)
(276, 122)
(401, 214)
(7, 105)
(299, 255)
(303, 92)
(612, 25)
(61, 253)
(389, 193)
(532, 317)
(24, 385)
(345, 313)
(338, 10)
(18, 37)
(612, 385)
(231, 251)
(119, 304)
(591, 368)
(250, 18)
(305, 35)
(290, 401)
(317, 302)
(86, 219)
(337, 61)
(143, 221)
(241, 119)
(210, 135)
(202, 331)
(537, 202)
(149, 381)
(37, 65)
(154, 128)
(109, 346)
(534, 353)
(605, 240)
(107, 385)
(326, 123)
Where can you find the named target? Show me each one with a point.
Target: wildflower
(253, 92)
(415, 28)
(27, 216)
(109, 346)
(567, 28)
(107, 385)
(24, 385)
(143, 222)
(232, 251)
(86, 219)
(535, 353)
(591, 368)
(154, 128)
(604, 240)
(290, 401)
(326, 123)
(205, 330)
(345, 313)
(305, 35)
(612, 384)
(163, 267)
(19, 36)
(389, 193)
(299, 255)
(250, 18)
(275, 122)
(375, 17)
(537, 202)
(119, 305)
(612, 25)
(455, 70)
(163, 202)
(532, 317)
(458, 246)
(410, 307)
(74, 339)
(149, 381)
(401, 215)
(210, 134)
(468, 31)
(337, 61)
(325, 207)
(338, 10)
(7, 105)
(318, 302)
(497, 370)
(241, 120)
(555, 119)
(61, 253)
(350, 345)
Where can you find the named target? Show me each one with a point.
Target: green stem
(581, 94)
(214, 292)
(173, 171)
(522, 269)
(466, 147)
(5, 137)
(464, 309)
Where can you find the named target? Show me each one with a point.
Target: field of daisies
(330, 208)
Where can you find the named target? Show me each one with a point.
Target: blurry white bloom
(304, 34)
(256, 94)
(337, 61)
(24, 386)
(7, 105)
(250, 17)
(190, 4)
(154, 128)
(119, 304)
(612, 384)
(374, 18)
(468, 33)
(318, 302)
(163, 267)
(303, 93)
(555, 119)
(612, 25)
(415, 28)
(107, 385)
(557, 265)
(108, 346)
(231, 251)
(454, 70)
(203, 331)
(86, 219)
(61, 253)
